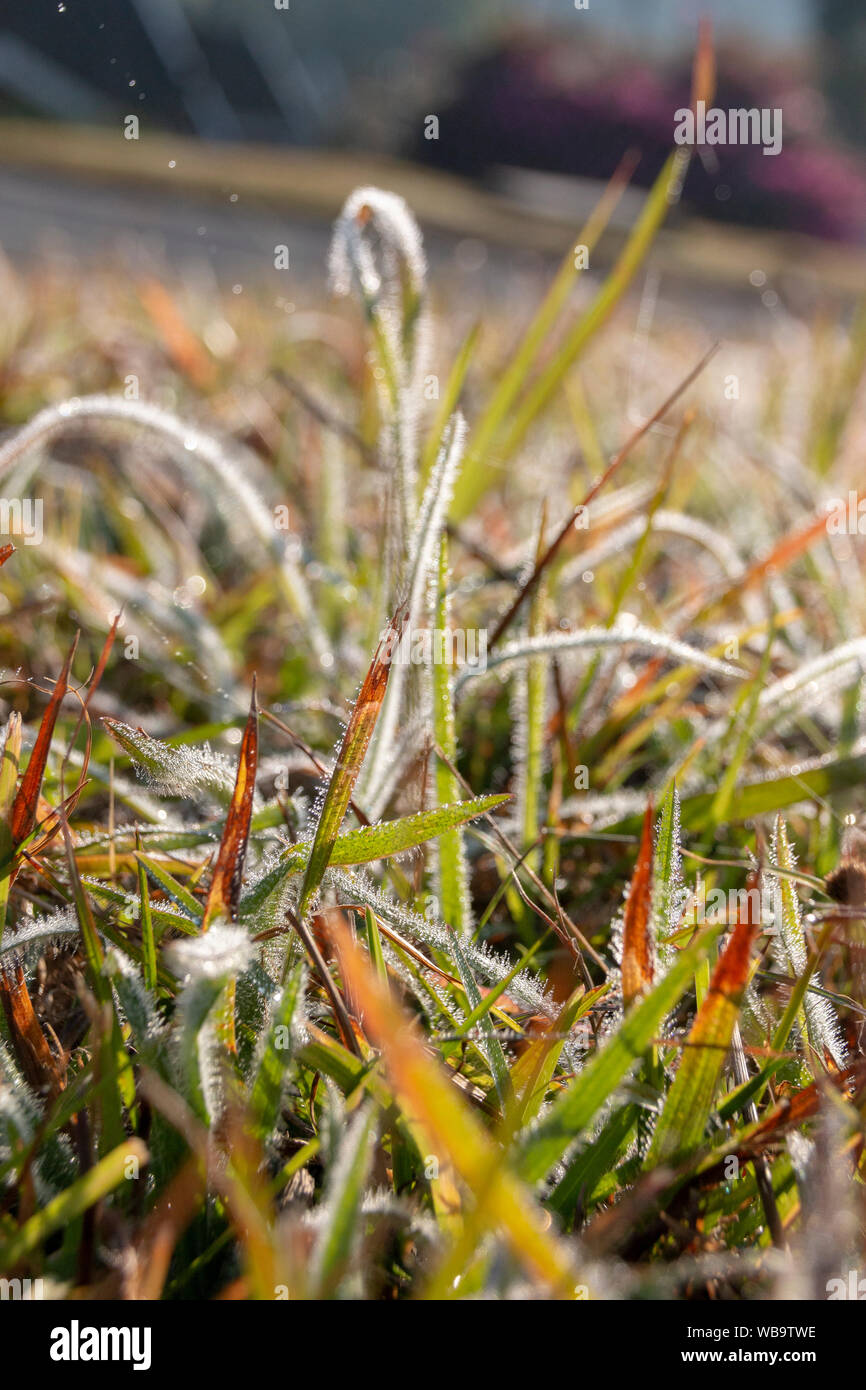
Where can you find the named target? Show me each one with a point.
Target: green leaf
(176, 891)
(595, 1160)
(454, 900)
(683, 1121)
(148, 940)
(341, 1209)
(814, 781)
(267, 1088)
(532, 1072)
(93, 1186)
(575, 1110)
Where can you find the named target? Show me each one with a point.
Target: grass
(512, 979)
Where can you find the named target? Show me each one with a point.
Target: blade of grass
(349, 759)
(683, 1121)
(576, 1108)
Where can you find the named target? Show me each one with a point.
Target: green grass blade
(570, 1115)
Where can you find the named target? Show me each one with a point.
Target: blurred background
(499, 119)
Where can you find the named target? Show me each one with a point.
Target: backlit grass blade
(740, 734)
(477, 472)
(569, 1116)
(811, 782)
(366, 844)
(663, 194)
(690, 1101)
(534, 1068)
(8, 779)
(454, 1132)
(26, 802)
(594, 1161)
(370, 842)
(349, 759)
(452, 872)
(225, 887)
(148, 941)
(374, 945)
(93, 1186)
(818, 1023)
(638, 946)
(449, 402)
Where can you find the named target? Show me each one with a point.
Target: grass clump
(518, 977)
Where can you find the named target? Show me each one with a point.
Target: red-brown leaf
(26, 802)
(225, 887)
(637, 943)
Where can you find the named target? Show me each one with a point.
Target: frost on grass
(228, 467)
(33, 935)
(174, 771)
(419, 573)
(217, 954)
(810, 685)
(822, 1026)
(525, 989)
(624, 634)
(377, 251)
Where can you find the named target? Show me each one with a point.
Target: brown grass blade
(26, 802)
(41, 1068)
(225, 886)
(353, 749)
(682, 1123)
(794, 544)
(637, 944)
(179, 342)
(804, 1105)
